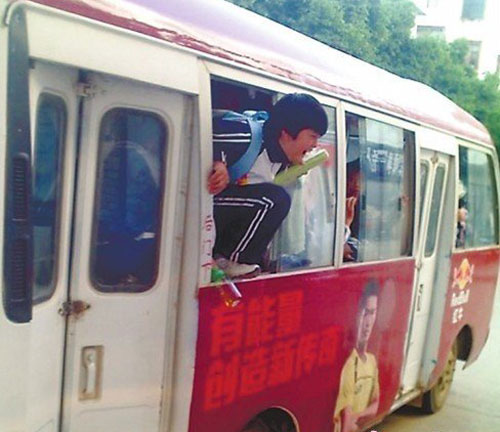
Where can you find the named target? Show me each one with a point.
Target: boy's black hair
(294, 113)
(370, 289)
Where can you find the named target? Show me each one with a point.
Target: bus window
(424, 175)
(47, 169)
(435, 209)
(379, 190)
(127, 215)
(307, 235)
(477, 215)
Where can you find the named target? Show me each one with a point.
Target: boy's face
(296, 148)
(366, 319)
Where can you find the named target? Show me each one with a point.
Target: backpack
(237, 139)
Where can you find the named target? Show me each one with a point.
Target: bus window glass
(435, 209)
(306, 237)
(424, 174)
(47, 168)
(379, 190)
(477, 215)
(127, 216)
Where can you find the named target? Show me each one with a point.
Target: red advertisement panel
(293, 338)
(469, 301)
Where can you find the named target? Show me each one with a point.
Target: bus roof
(223, 30)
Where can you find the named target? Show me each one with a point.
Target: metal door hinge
(73, 308)
(86, 90)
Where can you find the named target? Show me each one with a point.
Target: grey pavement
(473, 404)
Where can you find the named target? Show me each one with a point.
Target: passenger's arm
(369, 413)
(218, 179)
(371, 410)
(350, 210)
(348, 420)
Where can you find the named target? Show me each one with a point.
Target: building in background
(477, 21)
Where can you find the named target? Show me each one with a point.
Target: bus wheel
(271, 420)
(434, 399)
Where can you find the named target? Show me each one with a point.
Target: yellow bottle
(228, 290)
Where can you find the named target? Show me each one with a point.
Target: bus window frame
(496, 172)
(276, 86)
(163, 199)
(440, 216)
(264, 81)
(415, 128)
(421, 194)
(61, 101)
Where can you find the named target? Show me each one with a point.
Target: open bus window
(477, 210)
(239, 112)
(239, 97)
(307, 235)
(379, 190)
(127, 217)
(47, 169)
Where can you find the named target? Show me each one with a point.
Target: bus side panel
(469, 301)
(14, 346)
(14, 338)
(285, 345)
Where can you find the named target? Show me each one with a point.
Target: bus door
(53, 109)
(103, 337)
(433, 179)
(126, 239)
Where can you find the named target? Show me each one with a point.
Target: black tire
(256, 425)
(435, 398)
(271, 420)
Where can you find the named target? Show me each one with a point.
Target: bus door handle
(90, 372)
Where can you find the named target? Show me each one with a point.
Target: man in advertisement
(359, 390)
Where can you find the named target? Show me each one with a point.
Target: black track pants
(246, 219)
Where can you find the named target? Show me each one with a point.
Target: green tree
(379, 31)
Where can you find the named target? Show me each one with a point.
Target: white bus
(110, 321)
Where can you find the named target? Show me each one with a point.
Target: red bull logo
(462, 276)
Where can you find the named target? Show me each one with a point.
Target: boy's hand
(218, 179)
(350, 210)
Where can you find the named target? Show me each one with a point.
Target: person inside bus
(248, 214)
(359, 390)
(353, 191)
(462, 214)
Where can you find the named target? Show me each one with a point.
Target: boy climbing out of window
(250, 210)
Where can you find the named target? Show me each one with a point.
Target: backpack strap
(247, 159)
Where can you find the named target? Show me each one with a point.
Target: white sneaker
(235, 270)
